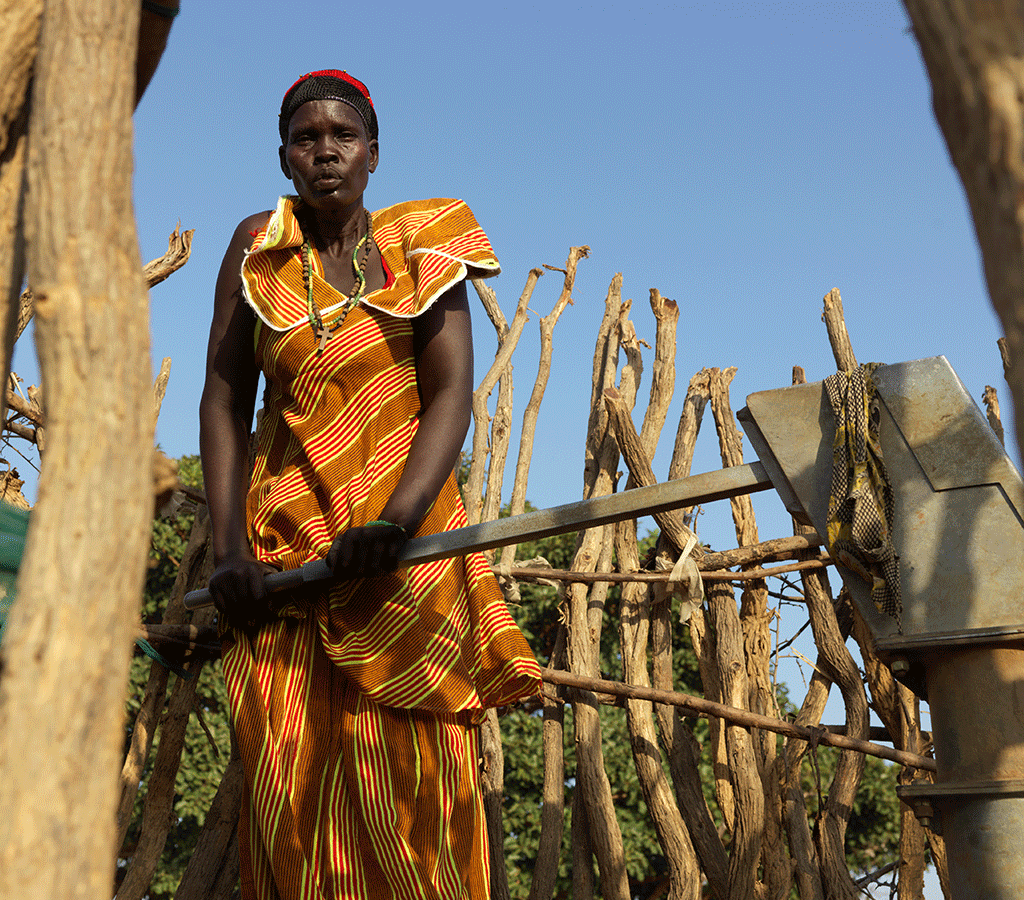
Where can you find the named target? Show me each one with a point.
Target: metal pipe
(976, 697)
(542, 523)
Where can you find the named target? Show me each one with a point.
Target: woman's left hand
(366, 551)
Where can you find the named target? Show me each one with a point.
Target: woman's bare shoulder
(250, 225)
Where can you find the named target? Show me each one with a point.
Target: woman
(355, 707)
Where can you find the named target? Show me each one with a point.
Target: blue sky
(743, 158)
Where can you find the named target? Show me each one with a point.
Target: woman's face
(328, 157)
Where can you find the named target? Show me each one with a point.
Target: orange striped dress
(355, 712)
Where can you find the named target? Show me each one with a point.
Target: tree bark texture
(838, 336)
(158, 812)
(974, 54)
(549, 846)
(641, 475)
(697, 395)
(82, 573)
(991, 400)
(680, 745)
(806, 864)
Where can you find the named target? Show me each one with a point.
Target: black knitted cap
(328, 84)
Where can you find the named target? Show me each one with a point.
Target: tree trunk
(66, 652)
(974, 53)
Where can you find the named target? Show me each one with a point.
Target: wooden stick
(179, 247)
(991, 400)
(28, 409)
(160, 386)
(838, 336)
(776, 549)
(542, 573)
(22, 431)
(701, 707)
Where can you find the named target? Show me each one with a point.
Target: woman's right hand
(239, 594)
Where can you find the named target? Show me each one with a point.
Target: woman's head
(328, 140)
(328, 84)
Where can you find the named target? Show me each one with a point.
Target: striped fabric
(356, 712)
(426, 246)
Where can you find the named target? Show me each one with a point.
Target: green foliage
(202, 766)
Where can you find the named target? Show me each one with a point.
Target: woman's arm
(443, 342)
(225, 417)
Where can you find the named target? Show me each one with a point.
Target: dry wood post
(553, 798)
(85, 559)
(194, 570)
(835, 661)
(681, 747)
(635, 616)
(593, 793)
(704, 648)
(549, 844)
(741, 755)
(493, 787)
(755, 621)
(807, 863)
(698, 393)
(212, 872)
(499, 373)
(974, 54)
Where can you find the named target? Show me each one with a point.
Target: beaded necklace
(321, 332)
